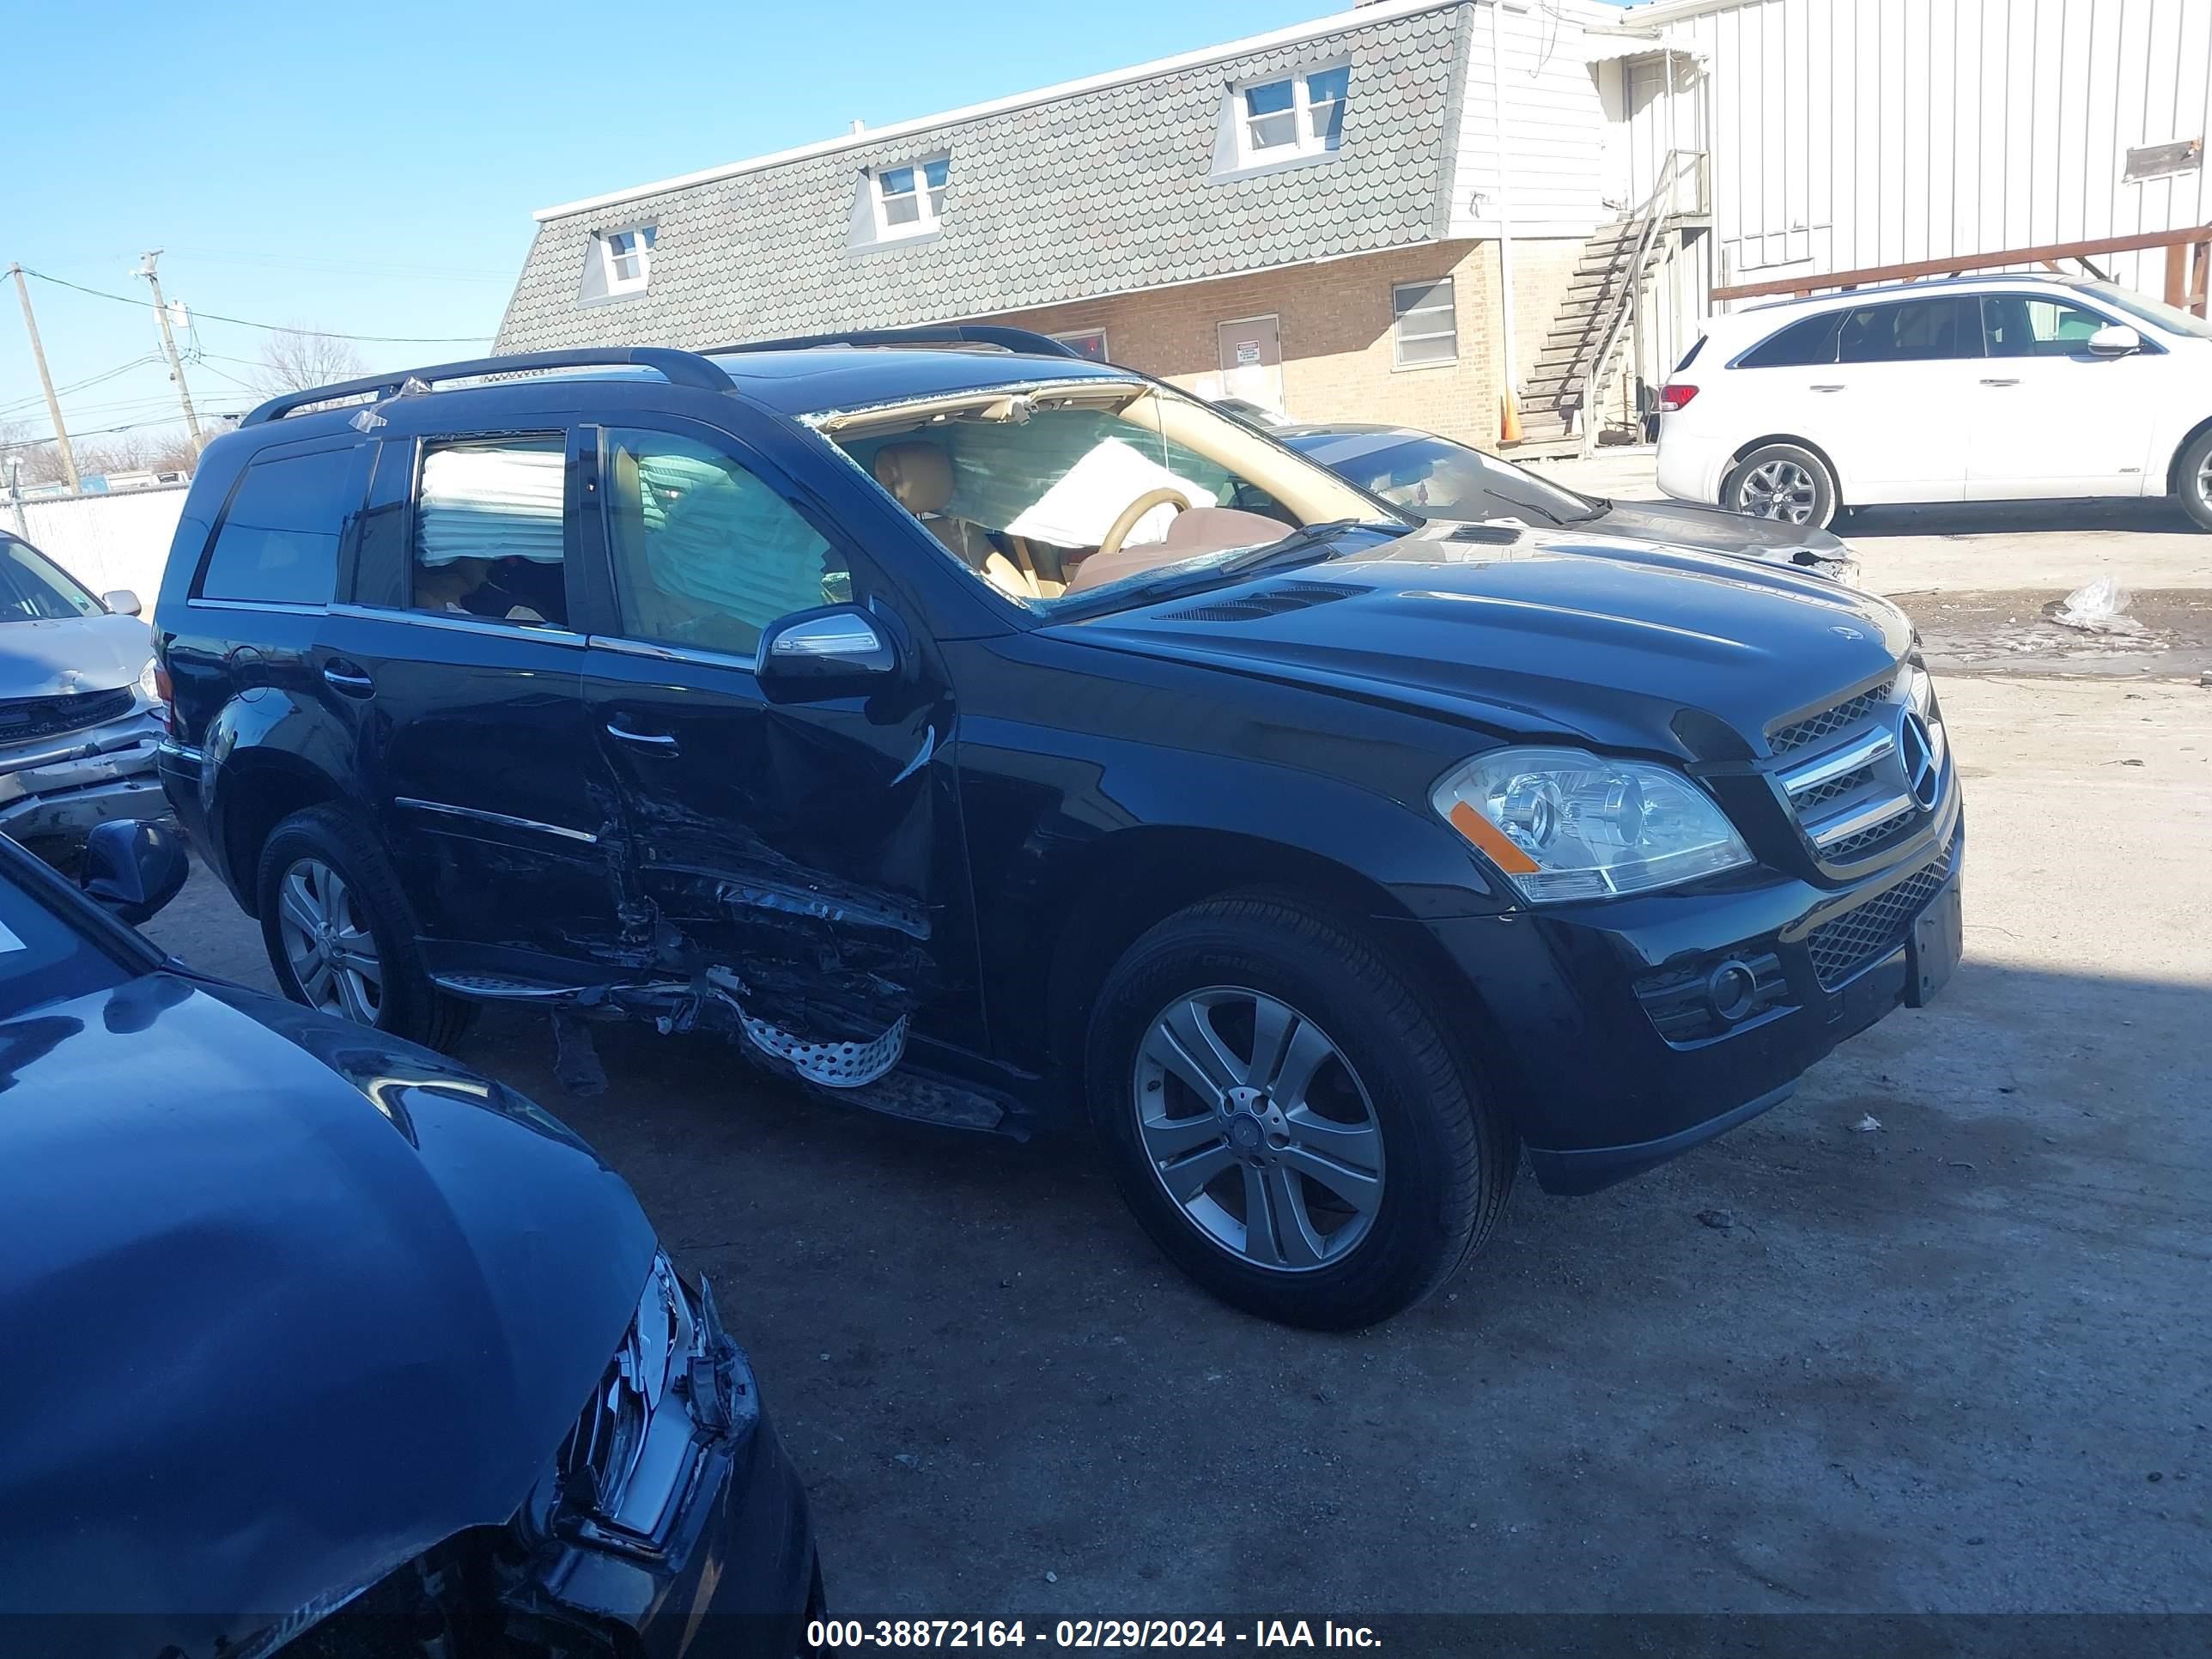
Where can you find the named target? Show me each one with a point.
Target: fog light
(1729, 989)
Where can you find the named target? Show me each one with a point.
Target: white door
(2049, 417)
(1252, 360)
(1889, 409)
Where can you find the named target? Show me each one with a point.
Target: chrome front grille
(1847, 783)
(1829, 721)
(1870, 931)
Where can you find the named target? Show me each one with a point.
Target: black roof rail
(677, 367)
(1022, 340)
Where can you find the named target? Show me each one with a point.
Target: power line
(274, 328)
(110, 431)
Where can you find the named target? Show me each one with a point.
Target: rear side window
(278, 541)
(1910, 331)
(490, 539)
(1691, 356)
(1809, 340)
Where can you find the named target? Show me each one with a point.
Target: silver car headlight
(1565, 823)
(149, 681)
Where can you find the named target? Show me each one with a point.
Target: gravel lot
(1958, 1363)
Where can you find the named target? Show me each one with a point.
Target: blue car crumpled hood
(1540, 632)
(286, 1302)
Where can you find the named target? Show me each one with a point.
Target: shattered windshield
(1072, 493)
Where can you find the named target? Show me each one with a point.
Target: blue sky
(372, 169)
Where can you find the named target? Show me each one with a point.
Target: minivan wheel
(1287, 1118)
(1787, 482)
(339, 932)
(2194, 478)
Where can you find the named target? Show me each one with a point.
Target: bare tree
(298, 360)
(118, 452)
(41, 459)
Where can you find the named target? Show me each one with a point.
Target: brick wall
(1335, 327)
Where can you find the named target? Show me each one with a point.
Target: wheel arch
(255, 790)
(2180, 449)
(1737, 457)
(1134, 878)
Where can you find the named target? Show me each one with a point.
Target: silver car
(80, 709)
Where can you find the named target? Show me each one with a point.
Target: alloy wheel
(1257, 1126)
(2205, 479)
(328, 944)
(1782, 490)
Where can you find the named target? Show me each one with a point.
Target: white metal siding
(1850, 133)
(1555, 126)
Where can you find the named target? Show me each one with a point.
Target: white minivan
(1965, 389)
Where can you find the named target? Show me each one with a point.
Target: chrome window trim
(655, 652)
(293, 607)
(505, 630)
(505, 820)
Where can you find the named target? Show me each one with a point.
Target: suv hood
(293, 1302)
(72, 653)
(1537, 633)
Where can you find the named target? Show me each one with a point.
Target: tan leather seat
(918, 475)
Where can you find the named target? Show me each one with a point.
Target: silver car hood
(76, 654)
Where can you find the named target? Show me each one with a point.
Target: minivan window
(278, 541)
(704, 552)
(490, 537)
(1810, 340)
(34, 588)
(1911, 330)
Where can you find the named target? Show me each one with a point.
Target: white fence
(106, 542)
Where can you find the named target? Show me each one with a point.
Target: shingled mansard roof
(1096, 187)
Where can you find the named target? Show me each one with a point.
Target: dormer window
(1297, 115)
(626, 258)
(910, 198)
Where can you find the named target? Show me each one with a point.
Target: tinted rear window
(1911, 331)
(1810, 340)
(278, 542)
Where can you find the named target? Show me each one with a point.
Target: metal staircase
(1610, 280)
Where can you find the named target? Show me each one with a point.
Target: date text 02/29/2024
(824, 1635)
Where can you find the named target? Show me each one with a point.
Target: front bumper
(1603, 1023)
(726, 1564)
(60, 788)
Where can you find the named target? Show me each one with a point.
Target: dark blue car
(313, 1334)
(995, 737)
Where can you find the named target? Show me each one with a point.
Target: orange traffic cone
(1508, 422)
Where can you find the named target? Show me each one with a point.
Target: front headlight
(149, 681)
(1563, 824)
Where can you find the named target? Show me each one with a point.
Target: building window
(626, 258)
(1298, 115)
(911, 199)
(1424, 324)
(1087, 342)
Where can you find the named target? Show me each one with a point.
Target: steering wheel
(1119, 530)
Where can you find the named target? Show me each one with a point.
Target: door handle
(1835, 387)
(2013, 381)
(658, 742)
(345, 677)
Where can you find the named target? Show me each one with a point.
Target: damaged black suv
(979, 732)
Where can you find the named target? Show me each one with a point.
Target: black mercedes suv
(976, 731)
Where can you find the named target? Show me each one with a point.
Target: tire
(1395, 1086)
(1786, 482)
(2193, 479)
(365, 898)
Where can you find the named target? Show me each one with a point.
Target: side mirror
(839, 650)
(131, 868)
(2115, 340)
(122, 601)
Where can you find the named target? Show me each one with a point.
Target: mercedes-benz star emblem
(1916, 752)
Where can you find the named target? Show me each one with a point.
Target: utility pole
(169, 345)
(46, 381)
